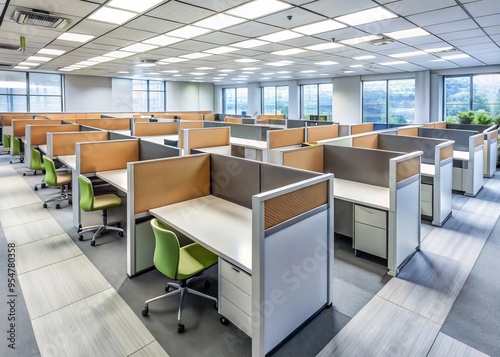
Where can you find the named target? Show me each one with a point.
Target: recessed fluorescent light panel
(309, 71)
(463, 55)
(366, 16)
(75, 37)
(162, 40)
(246, 60)
(439, 49)
(280, 36)
(346, 72)
(358, 40)
(279, 63)
(408, 54)
(356, 66)
(134, 5)
(112, 16)
(324, 46)
(118, 54)
(123, 72)
(258, 8)
(226, 70)
(219, 21)
(360, 58)
(250, 69)
(220, 50)
(195, 55)
(171, 71)
(250, 44)
(173, 60)
(291, 51)
(188, 32)
(146, 65)
(139, 47)
(48, 51)
(101, 59)
(39, 59)
(326, 63)
(319, 27)
(29, 64)
(398, 35)
(392, 63)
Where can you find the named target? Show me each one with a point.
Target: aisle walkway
(73, 309)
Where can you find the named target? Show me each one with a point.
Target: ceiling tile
(252, 29)
(180, 12)
(331, 8)
(491, 20)
(219, 5)
(152, 24)
(299, 17)
(436, 17)
(388, 25)
(130, 34)
(221, 38)
(483, 8)
(453, 26)
(411, 7)
(119, 43)
(95, 28)
(457, 35)
(492, 30)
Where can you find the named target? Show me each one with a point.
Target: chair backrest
(86, 194)
(36, 160)
(167, 250)
(50, 171)
(6, 141)
(16, 146)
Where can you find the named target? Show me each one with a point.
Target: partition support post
(257, 277)
(131, 239)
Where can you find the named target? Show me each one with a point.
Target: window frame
(263, 106)
(148, 90)
(235, 89)
(329, 117)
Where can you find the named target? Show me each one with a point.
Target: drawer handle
(236, 270)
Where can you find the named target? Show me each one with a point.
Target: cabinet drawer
(426, 208)
(371, 216)
(236, 316)
(237, 296)
(236, 276)
(426, 193)
(370, 239)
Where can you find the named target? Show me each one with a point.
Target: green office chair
(5, 144)
(55, 179)
(89, 203)
(36, 164)
(180, 264)
(17, 149)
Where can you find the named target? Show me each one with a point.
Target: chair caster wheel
(92, 243)
(119, 225)
(35, 189)
(207, 284)
(43, 185)
(121, 234)
(80, 237)
(24, 173)
(180, 328)
(224, 321)
(70, 202)
(79, 228)
(167, 289)
(145, 311)
(58, 206)
(44, 205)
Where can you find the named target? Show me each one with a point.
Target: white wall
(87, 94)
(187, 96)
(347, 100)
(422, 97)
(121, 95)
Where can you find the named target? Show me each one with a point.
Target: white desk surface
(222, 227)
(356, 192)
(221, 150)
(117, 178)
(7, 130)
(159, 139)
(43, 148)
(249, 143)
(427, 170)
(68, 160)
(461, 155)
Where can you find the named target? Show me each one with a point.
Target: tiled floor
(73, 309)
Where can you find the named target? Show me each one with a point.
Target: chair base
(99, 229)
(181, 289)
(63, 196)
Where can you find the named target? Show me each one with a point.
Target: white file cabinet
(370, 231)
(426, 199)
(235, 296)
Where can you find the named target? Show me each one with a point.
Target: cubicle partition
(280, 140)
(204, 138)
(468, 157)
(120, 124)
(315, 133)
(63, 144)
(183, 125)
(377, 197)
(259, 227)
(243, 131)
(154, 129)
(301, 123)
(353, 129)
(36, 135)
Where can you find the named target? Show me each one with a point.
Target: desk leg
(75, 189)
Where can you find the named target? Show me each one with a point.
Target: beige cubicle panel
(37, 134)
(321, 132)
(205, 138)
(307, 158)
(152, 128)
(361, 128)
(19, 125)
(187, 124)
(105, 155)
(59, 144)
(106, 124)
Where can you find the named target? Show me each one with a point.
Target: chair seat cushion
(106, 201)
(193, 260)
(63, 179)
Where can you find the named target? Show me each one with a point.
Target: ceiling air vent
(381, 41)
(4, 46)
(39, 18)
(5, 65)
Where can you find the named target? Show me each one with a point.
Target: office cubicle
(377, 197)
(301, 123)
(262, 211)
(314, 134)
(244, 131)
(280, 140)
(353, 129)
(436, 167)
(467, 155)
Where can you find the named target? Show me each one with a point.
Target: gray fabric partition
(461, 137)
(118, 136)
(480, 128)
(150, 151)
(234, 179)
(244, 131)
(274, 176)
(299, 123)
(409, 144)
(357, 164)
(88, 128)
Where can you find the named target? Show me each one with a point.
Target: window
(317, 101)
(148, 96)
(275, 100)
(30, 92)
(389, 101)
(235, 100)
(472, 92)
